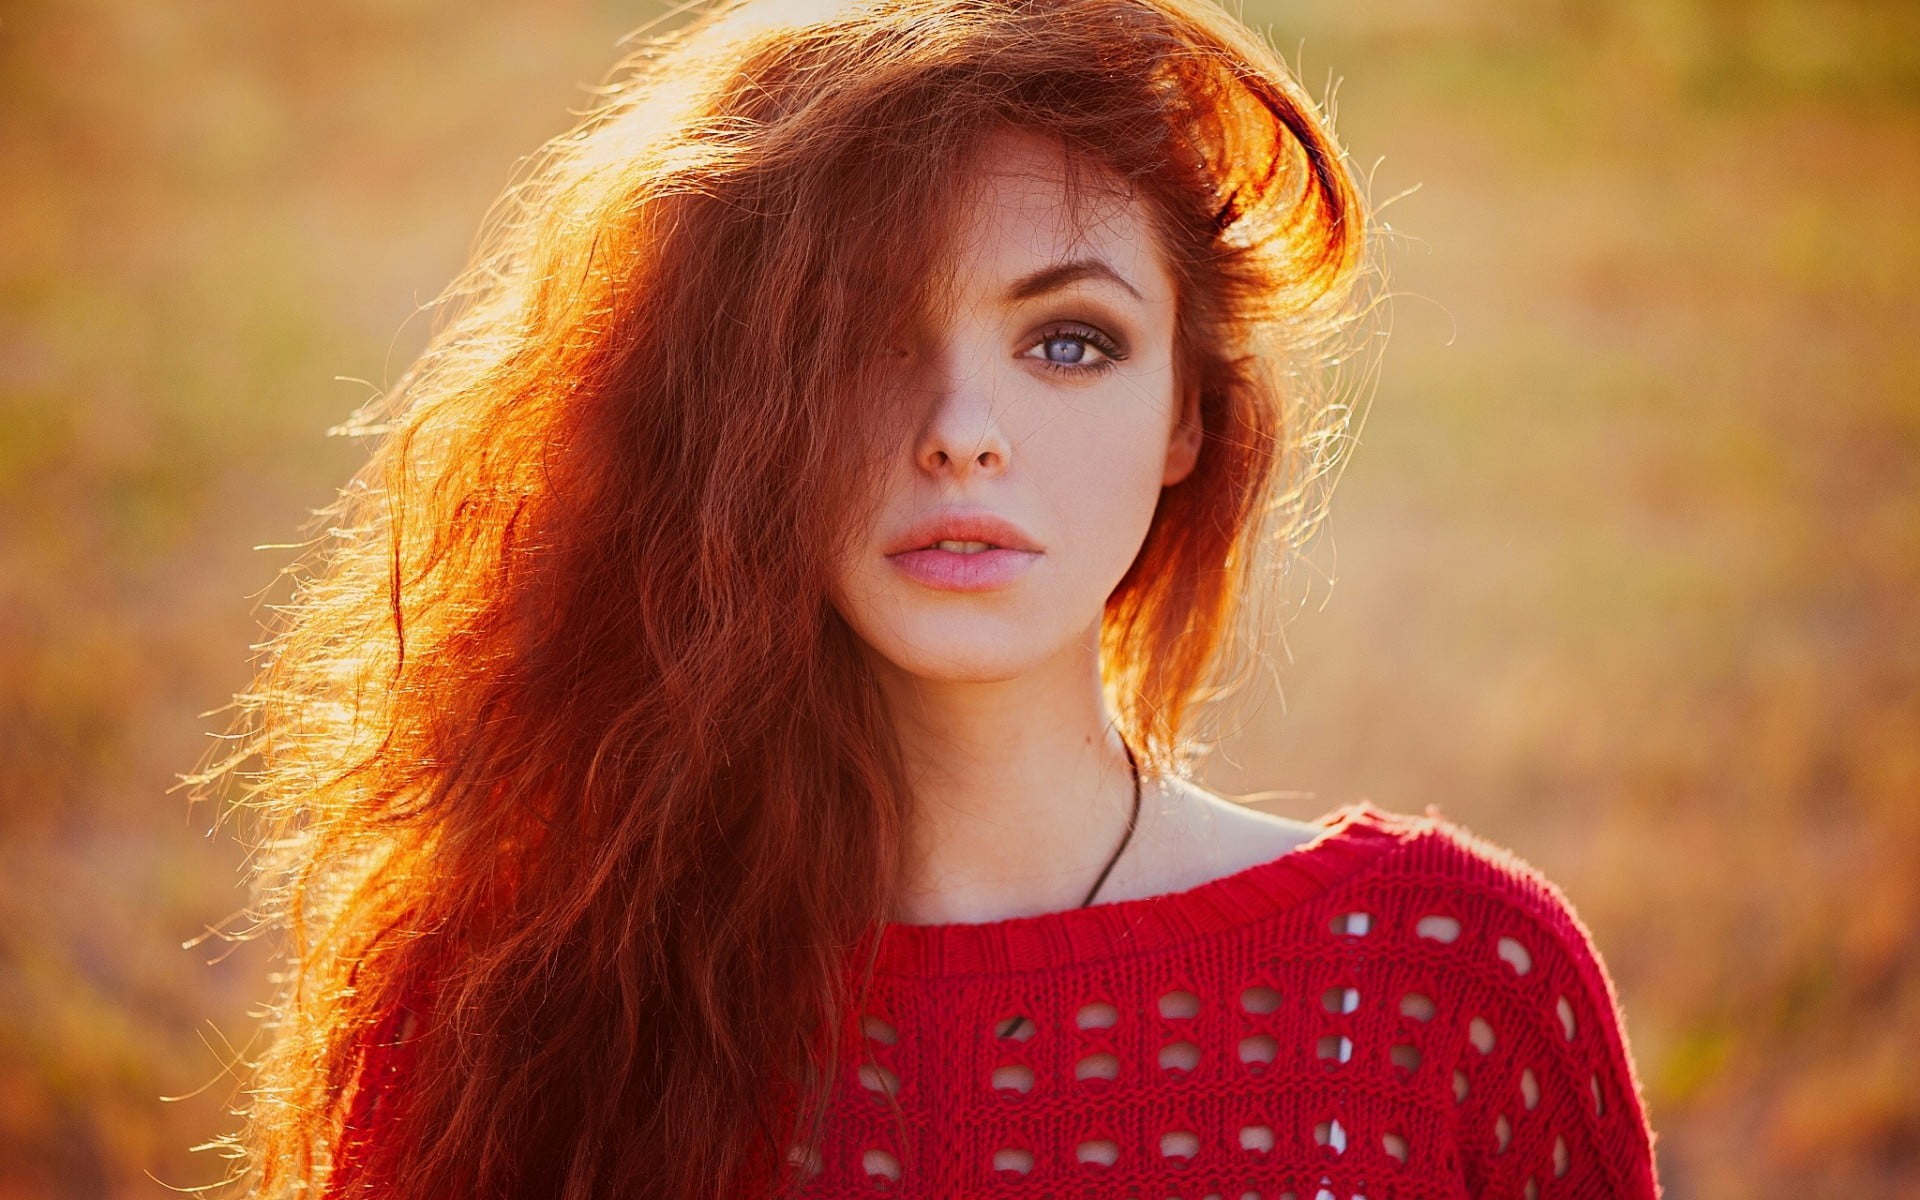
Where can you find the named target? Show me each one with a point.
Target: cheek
(1102, 473)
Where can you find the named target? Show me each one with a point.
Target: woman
(737, 741)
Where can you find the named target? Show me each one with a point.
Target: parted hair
(561, 725)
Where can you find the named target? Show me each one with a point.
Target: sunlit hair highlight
(561, 743)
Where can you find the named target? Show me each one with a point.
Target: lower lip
(952, 571)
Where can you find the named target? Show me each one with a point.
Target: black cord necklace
(1013, 1027)
(1132, 820)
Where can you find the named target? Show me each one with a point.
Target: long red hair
(561, 723)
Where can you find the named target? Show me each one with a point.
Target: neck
(1021, 791)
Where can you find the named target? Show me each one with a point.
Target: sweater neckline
(1350, 836)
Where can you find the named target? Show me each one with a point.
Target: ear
(1183, 448)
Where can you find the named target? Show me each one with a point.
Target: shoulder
(1504, 930)
(1481, 891)
(1501, 918)
(1515, 1007)
(1195, 836)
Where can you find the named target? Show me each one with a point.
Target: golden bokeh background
(1622, 574)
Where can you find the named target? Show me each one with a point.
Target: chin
(965, 664)
(942, 654)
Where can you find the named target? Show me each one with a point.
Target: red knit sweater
(1396, 1009)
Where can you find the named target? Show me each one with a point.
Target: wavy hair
(561, 728)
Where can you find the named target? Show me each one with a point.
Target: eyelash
(1092, 337)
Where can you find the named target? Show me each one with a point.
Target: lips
(1010, 555)
(965, 571)
(962, 525)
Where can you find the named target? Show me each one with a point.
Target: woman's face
(1047, 401)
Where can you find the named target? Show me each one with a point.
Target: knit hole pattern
(1493, 1062)
(1375, 1043)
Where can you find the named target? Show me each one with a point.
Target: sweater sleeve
(1549, 1100)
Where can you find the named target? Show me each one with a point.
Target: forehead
(1024, 205)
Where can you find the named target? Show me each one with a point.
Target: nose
(963, 434)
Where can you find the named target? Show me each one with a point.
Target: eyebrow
(1053, 278)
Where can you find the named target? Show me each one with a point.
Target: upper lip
(962, 525)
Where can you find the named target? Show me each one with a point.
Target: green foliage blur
(1627, 557)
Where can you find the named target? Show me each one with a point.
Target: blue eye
(1073, 347)
(1065, 350)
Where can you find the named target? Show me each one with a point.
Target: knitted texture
(1395, 1009)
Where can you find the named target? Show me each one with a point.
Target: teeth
(963, 547)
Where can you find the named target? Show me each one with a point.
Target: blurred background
(1622, 575)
